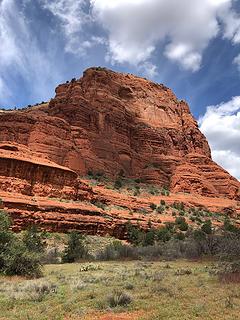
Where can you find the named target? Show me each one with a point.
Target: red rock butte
(111, 123)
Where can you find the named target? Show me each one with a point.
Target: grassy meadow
(121, 290)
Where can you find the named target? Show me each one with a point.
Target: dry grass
(152, 290)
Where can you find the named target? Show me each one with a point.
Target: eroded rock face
(24, 172)
(114, 123)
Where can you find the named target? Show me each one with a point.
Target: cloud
(220, 124)
(4, 91)
(20, 54)
(231, 22)
(236, 61)
(74, 18)
(136, 27)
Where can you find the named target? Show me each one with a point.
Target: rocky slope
(112, 123)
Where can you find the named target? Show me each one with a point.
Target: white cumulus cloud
(221, 125)
(134, 28)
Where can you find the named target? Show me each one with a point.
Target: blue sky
(191, 46)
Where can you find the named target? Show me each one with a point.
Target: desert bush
(117, 251)
(99, 204)
(180, 236)
(183, 226)
(143, 211)
(15, 256)
(129, 286)
(6, 237)
(107, 254)
(153, 190)
(33, 240)
(229, 271)
(207, 227)
(178, 205)
(137, 191)
(51, 256)
(118, 183)
(160, 209)
(19, 261)
(75, 249)
(119, 298)
(158, 276)
(89, 267)
(183, 272)
(182, 213)
(135, 235)
(181, 223)
(165, 192)
(78, 285)
(228, 248)
(163, 234)
(229, 227)
(153, 206)
(149, 238)
(172, 250)
(151, 252)
(34, 290)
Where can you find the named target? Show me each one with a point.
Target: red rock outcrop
(112, 122)
(24, 172)
(103, 122)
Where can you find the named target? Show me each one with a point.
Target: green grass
(159, 290)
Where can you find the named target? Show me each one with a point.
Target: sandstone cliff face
(115, 123)
(24, 172)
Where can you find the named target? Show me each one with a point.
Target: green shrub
(162, 202)
(19, 261)
(135, 235)
(99, 204)
(182, 213)
(180, 236)
(118, 183)
(228, 226)
(165, 192)
(76, 248)
(207, 227)
(5, 221)
(15, 256)
(160, 209)
(183, 226)
(163, 234)
(178, 205)
(6, 237)
(153, 190)
(149, 238)
(180, 220)
(153, 206)
(181, 223)
(137, 191)
(33, 240)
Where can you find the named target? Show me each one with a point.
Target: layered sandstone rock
(116, 123)
(24, 172)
